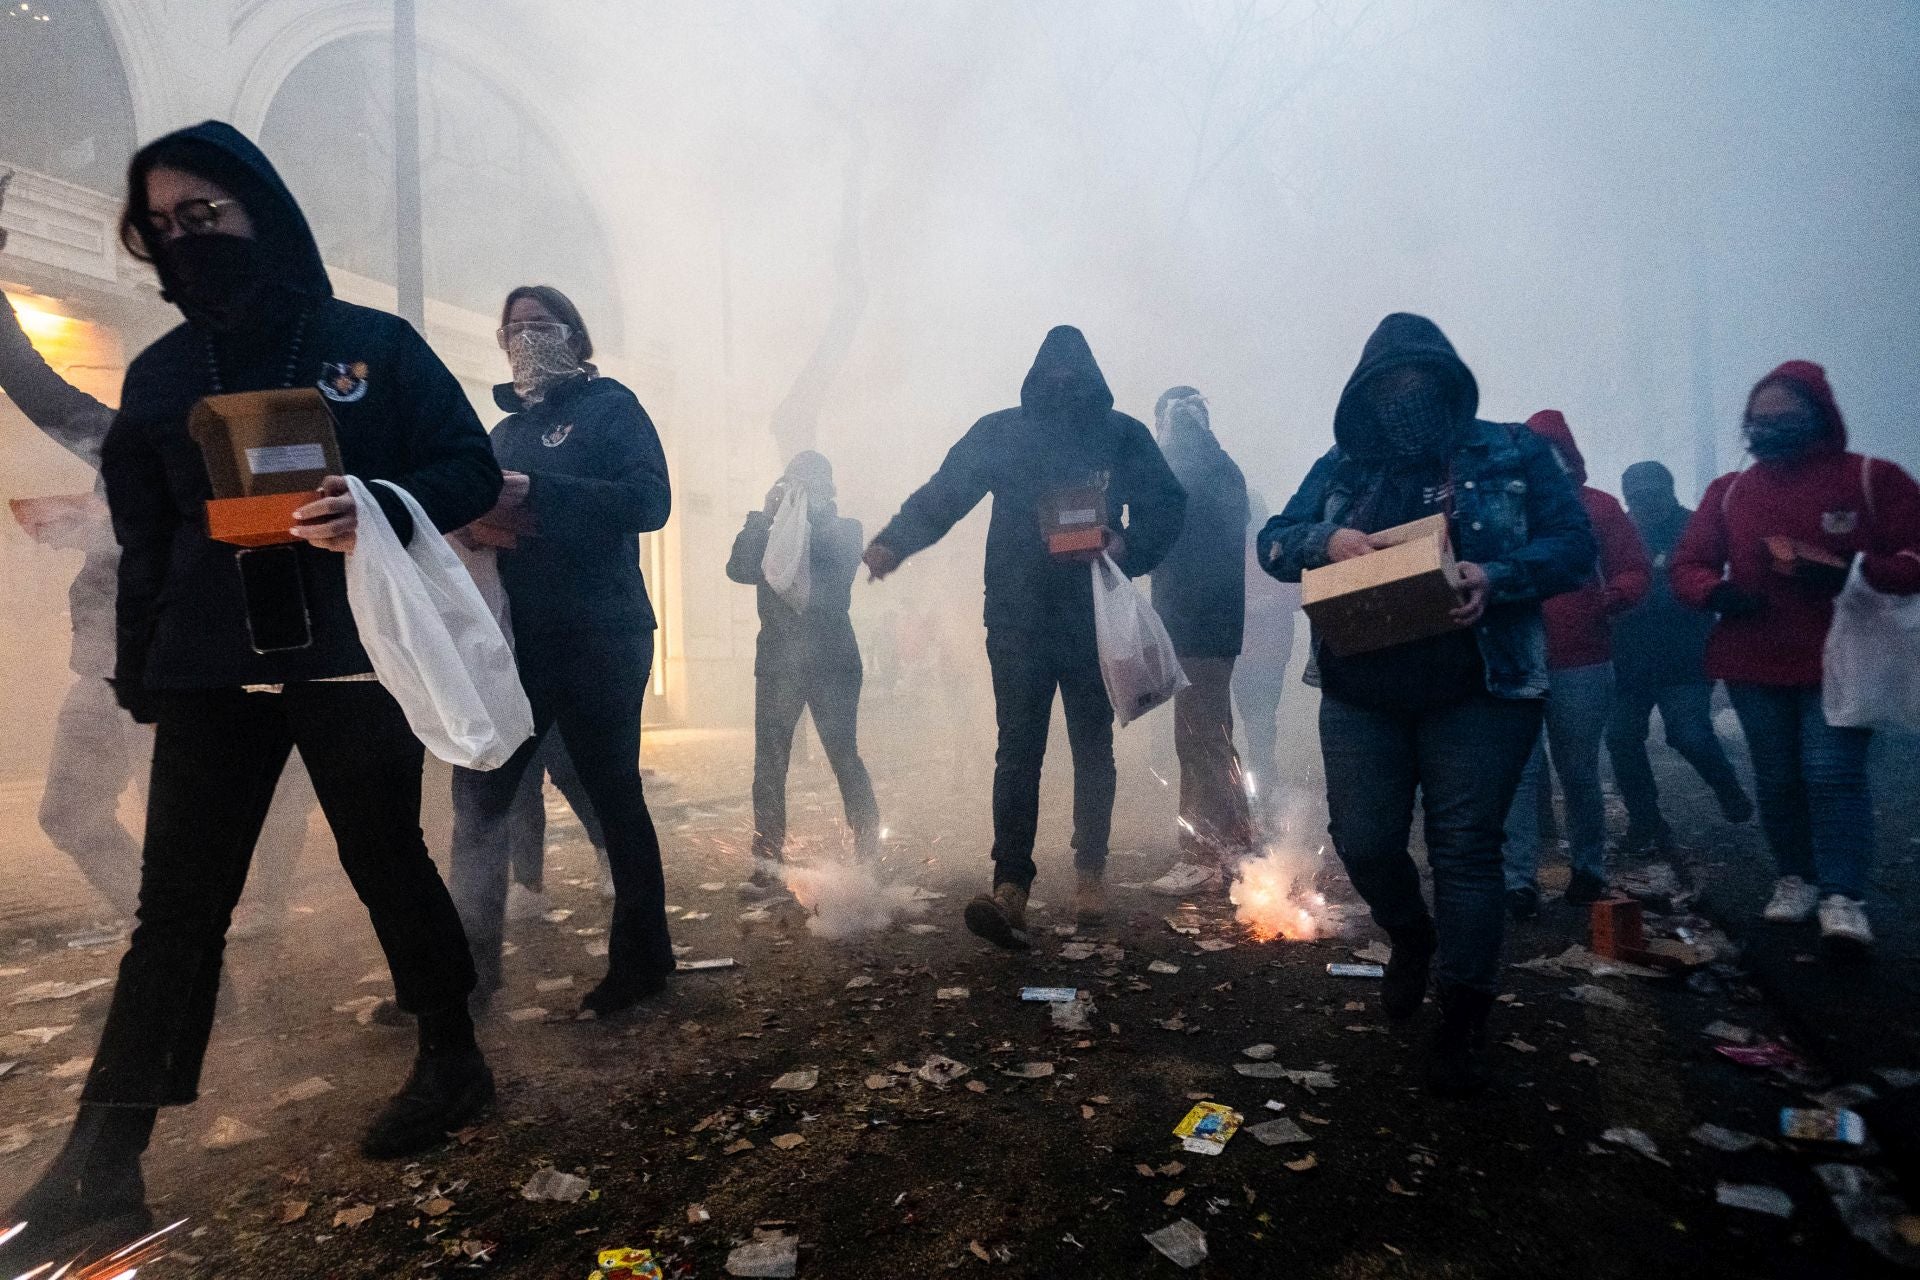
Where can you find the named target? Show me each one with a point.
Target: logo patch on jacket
(345, 382)
(558, 436)
(1839, 522)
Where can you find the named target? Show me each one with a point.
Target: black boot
(449, 1087)
(1455, 1065)
(619, 992)
(91, 1199)
(1405, 985)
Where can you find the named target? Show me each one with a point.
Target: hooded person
(1200, 593)
(806, 659)
(1579, 691)
(1768, 550)
(1659, 663)
(1453, 717)
(235, 254)
(585, 475)
(1063, 459)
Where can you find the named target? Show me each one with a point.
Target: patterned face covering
(1413, 416)
(541, 356)
(1781, 435)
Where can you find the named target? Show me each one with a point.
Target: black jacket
(1065, 434)
(1200, 589)
(1660, 641)
(399, 414)
(599, 479)
(822, 638)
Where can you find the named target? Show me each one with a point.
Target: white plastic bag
(434, 642)
(787, 562)
(1871, 667)
(1137, 660)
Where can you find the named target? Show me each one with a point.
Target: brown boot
(1001, 917)
(1090, 899)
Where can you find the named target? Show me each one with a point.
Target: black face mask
(220, 282)
(1782, 435)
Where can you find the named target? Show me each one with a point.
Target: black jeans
(1464, 761)
(1686, 718)
(589, 687)
(217, 756)
(833, 696)
(1026, 671)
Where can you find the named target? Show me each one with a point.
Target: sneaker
(1523, 903)
(1184, 878)
(1585, 888)
(1090, 899)
(1456, 1066)
(1001, 917)
(1843, 924)
(444, 1092)
(1736, 808)
(1793, 901)
(1404, 986)
(526, 904)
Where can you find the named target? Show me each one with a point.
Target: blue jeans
(1464, 761)
(1578, 702)
(1811, 781)
(1686, 720)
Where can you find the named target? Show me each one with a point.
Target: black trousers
(590, 688)
(1027, 669)
(833, 696)
(217, 756)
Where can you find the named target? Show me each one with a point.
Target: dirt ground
(672, 1119)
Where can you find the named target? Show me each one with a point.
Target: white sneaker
(1793, 901)
(1844, 920)
(526, 904)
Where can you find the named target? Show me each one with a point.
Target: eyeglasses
(545, 328)
(193, 217)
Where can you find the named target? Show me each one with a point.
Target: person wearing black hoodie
(235, 255)
(585, 476)
(1200, 592)
(1451, 718)
(1064, 444)
(806, 659)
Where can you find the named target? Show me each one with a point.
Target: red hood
(1551, 425)
(1810, 380)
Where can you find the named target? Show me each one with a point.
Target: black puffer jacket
(399, 414)
(1200, 589)
(1064, 435)
(599, 479)
(821, 639)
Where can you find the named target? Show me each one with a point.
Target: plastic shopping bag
(1137, 660)
(435, 644)
(787, 562)
(1871, 676)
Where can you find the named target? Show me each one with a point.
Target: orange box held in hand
(1074, 523)
(266, 453)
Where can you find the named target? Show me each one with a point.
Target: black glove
(1730, 601)
(1821, 576)
(138, 701)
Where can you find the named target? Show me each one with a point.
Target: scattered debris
(554, 984)
(552, 1184)
(1636, 1141)
(1580, 959)
(1727, 1031)
(229, 1131)
(1356, 971)
(42, 1035)
(627, 1264)
(1029, 1070)
(1279, 1133)
(1180, 1242)
(1304, 1163)
(1836, 1128)
(1755, 1197)
(1274, 1071)
(952, 993)
(532, 1013)
(881, 1080)
(797, 1081)
(1206, 1129)
(701, 966)
(768, 1254)
(1731, 1141)
(292, 1211)
(1872, 1212)
(1183, 878)
(302, 1091)
(787, 1141)
(941, 1070)
(1072, 1015)
(353, 1216)
(1259, 1052)
(42, 992)
(1775, 1054)
(1049, 994)
(858, 981)
(1215, 944)
(1599, 997)
(70, 1069)
(1162, 966)
(1375, 952)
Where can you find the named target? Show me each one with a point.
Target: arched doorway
(68, 112)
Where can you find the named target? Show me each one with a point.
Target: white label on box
(1087, 516)
(272, 459)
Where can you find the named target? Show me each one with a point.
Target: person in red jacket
(1579, 690)
(1768, 550)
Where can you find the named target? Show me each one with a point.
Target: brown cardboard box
(266, 453)
(1403, 591)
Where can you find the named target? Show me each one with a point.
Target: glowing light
(1273, 896)
(41, 323)
(12, 1231)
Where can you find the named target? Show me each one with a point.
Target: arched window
(500, 208)
(64, 108)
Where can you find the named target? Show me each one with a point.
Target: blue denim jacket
(1515, 514)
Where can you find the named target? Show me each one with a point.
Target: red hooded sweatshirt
(1839, 501)
(1579, 626)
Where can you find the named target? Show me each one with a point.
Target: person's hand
(1473, 586)
(1730, 601)
(1346, 544)
(880, 561)
(514, 488)
(330, 522)
(1115, 545)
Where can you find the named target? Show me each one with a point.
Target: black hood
(221, 153)
(1064, 381)
(1401, 339)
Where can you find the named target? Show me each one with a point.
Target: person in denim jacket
(1451, 717)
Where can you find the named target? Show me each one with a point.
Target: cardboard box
(266, 453)
(1405, 590)
(1074, 522)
